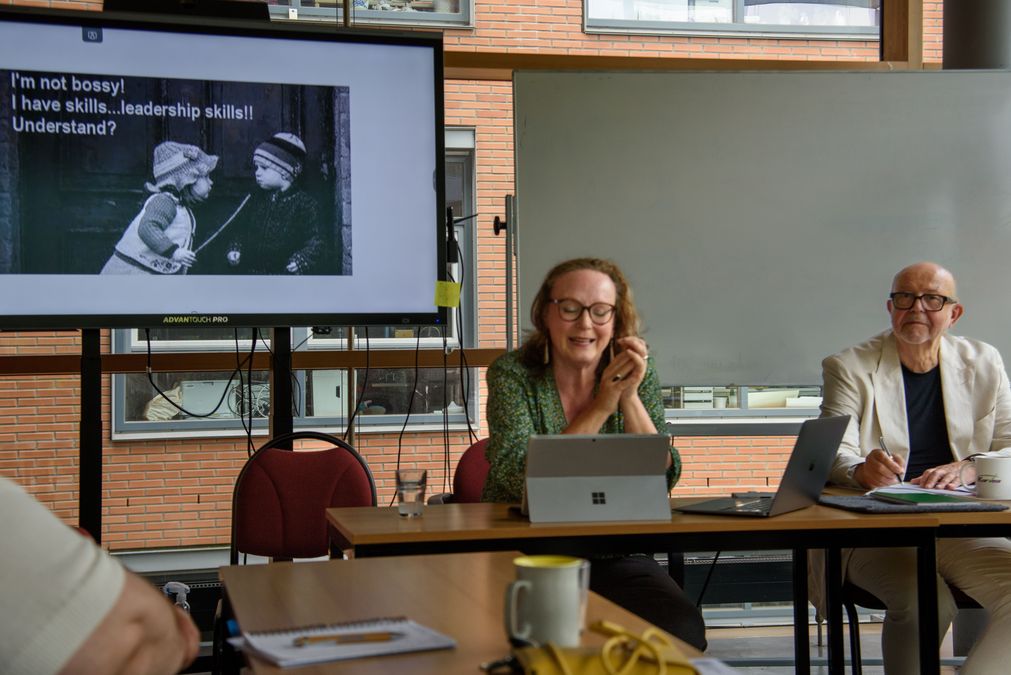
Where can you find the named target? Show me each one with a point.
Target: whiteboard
(760, 217)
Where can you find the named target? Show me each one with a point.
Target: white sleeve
(56, 586)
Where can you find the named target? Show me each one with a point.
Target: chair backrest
(470, 474)
(281, 496)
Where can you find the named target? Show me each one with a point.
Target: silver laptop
(802, 483)
(576, 478)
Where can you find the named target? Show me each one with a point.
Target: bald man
(938, 401)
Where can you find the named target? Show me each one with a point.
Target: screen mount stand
(89, 515)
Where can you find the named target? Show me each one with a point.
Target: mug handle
(961, 468)
(584, 592)
(511, 600)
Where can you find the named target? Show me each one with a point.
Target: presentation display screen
(157, 173)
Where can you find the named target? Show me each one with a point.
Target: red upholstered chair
(281, 496)
(279, 509)
(469, 477)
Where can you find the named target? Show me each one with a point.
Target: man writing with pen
(923, 404)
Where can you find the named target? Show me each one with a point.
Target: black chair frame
(224, 659)
(853, 596)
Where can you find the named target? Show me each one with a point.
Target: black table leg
(926, 576)
(833, 608)
(801, 634)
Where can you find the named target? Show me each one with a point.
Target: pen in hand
(881, 440)
(347, 638)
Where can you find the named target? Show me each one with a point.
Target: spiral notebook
(339, 641)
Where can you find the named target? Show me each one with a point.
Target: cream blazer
(865, 382)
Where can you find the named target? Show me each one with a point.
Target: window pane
(730, 397)
(442, 6)
(693, 11)
(202, 395)
(174, 334)
(700, 398)
(833, 13)
(795, 15)
(388, 392)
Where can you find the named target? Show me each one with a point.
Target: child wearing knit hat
(159, 240)
(281, 233)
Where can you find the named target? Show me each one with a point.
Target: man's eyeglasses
(932, 302)
(570, 310)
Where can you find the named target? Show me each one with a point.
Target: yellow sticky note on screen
(447, 294)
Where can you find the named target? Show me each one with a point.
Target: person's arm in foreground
(68, 607)
(142, 634)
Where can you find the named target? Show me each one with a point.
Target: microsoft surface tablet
(577, 478)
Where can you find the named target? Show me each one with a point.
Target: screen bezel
(286, 31)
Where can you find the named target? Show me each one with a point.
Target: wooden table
(460, 595)
(489, 527)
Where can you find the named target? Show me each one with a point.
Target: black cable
(296, 386)
(365, 383)
(705, 584)
(250, 446)
(184, 411)
(242, 419)
(296, 347)
(296, 394)
(464, 367)
(266, 345)
(445, 411)
(410, 404)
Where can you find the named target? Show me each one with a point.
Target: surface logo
(598, 497)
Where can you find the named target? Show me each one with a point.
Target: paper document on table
(335, 642)
(961, 491)
(906, 493)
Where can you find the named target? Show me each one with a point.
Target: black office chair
(853, 596)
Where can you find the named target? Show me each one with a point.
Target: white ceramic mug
(993, 477)
(547, 602)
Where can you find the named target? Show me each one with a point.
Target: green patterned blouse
(521, 403)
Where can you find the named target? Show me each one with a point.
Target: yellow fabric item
(624, 653)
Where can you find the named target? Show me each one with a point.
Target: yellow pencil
(347, 638)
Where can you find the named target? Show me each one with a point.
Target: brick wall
(177, 492)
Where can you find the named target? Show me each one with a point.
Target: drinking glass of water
(411, 491)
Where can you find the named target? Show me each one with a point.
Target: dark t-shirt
(928, 427)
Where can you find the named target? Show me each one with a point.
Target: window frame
(294, 11)
(736, 28)
(742, 413)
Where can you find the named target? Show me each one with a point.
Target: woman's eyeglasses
(570, 310)
(932, 302)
